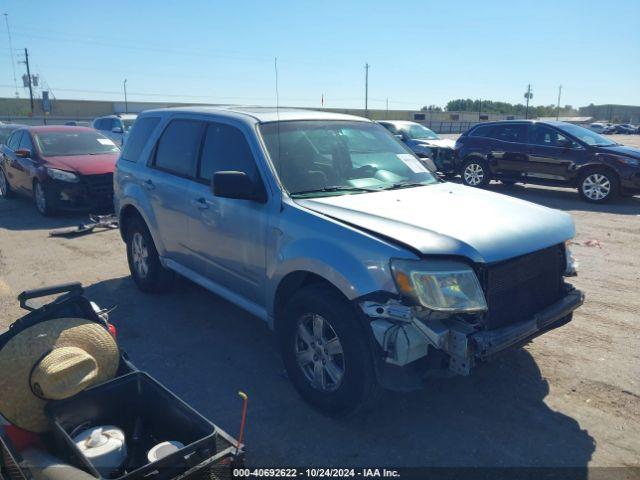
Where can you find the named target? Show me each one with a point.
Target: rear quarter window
(138, 138)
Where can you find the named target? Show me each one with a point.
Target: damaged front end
(446, 312)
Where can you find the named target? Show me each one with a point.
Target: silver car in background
(371, 270)
(115, 127)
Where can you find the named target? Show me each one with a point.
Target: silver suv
(370, 269)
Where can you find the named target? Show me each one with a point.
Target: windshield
(59, 143)
(420, 132)
(587, 136)
(314, 158)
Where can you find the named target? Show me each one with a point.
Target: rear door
(551, 154)
(508, 153)
(227, 236)
(167, 182)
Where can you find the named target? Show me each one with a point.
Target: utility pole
(366, 90)
(126, 104)
(13, 65)
(559, 95)
(26, 61)
(479, 108)
(387, 114)
(528, 95)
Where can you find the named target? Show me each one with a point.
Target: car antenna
(275, 67)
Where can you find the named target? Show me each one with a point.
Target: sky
(420, 52)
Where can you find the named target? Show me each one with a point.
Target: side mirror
(116, 130)
(237, 185)
(23, 153)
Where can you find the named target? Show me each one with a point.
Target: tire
(144, 262)
(598, 186)
(332, 334)
(42, 199)
(5, 188)
(474, 173)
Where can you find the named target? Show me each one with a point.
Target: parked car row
(610, 128)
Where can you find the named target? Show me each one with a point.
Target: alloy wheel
(140, 255)
(319, 352)
(596, 186)
(473, 174)
(41, 199)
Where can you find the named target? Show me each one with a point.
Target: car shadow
(19, 214)
(206, 350)
(565, 198)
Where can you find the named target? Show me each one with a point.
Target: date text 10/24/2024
(315, 473)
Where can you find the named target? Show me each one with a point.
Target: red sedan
(60, 167)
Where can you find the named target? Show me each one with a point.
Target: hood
(451, 219)
(85, 164)
(441, 143)
(622, 150)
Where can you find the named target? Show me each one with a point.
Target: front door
(551, 154)
(227, 237)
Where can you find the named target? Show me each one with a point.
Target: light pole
(126, 104)
(528, 95)
(366, 90)
(559, 94)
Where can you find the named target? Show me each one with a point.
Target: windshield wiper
(336, 189)
(396, 186)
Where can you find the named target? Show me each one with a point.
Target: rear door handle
(200, 203)
(149, 185)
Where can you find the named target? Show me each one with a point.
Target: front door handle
(200, 203)
(149, 185)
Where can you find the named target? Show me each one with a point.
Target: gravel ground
(571, 397)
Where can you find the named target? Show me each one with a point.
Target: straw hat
(52, 360)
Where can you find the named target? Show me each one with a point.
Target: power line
(13, 65)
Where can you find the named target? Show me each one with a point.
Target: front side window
(333, 157)
(25, 142)
(225, 148)
(514, 133)
(73, 142)
(103, 124)
(177, 149)
(481, 131)
(546, 136)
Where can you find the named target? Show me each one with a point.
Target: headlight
(571, 270)
(62, 175)
(444, 286)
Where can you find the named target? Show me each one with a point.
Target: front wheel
(42, 198)
(598, 186)
(475, 174)
(326, 351)
(144, 262)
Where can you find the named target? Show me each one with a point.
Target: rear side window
(138, 138)
(226, 149)
(177, 150)
(102, 124)
(510, 133)
(482, 131)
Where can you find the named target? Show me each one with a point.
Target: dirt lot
(572, 397)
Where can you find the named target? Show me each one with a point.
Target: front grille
(99, 188)
(519, 288)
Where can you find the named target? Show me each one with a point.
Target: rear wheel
(5, 188)
(144, 262)
(598, 186)
(475, 174)
(326, 351)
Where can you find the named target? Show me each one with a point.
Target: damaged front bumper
(406, 335)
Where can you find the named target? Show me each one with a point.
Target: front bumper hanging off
(404, 337)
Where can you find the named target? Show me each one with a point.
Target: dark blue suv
(548, 153)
